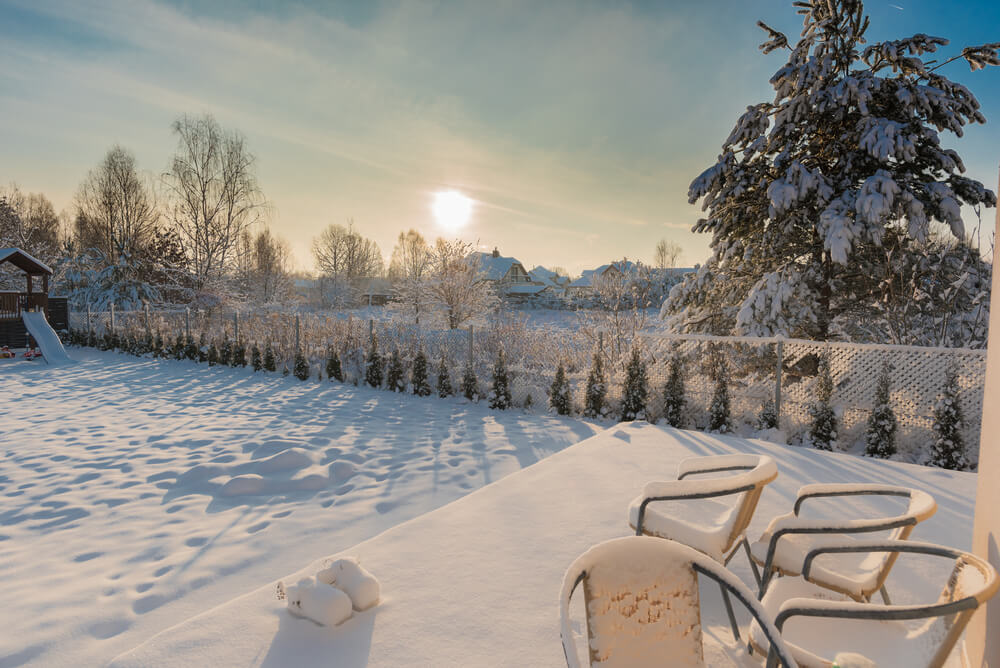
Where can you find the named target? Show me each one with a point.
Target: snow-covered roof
(525, 289)
(548, 277)
(495, 268)
(23, 261)
(586, 280)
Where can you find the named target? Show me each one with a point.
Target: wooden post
(778, 370)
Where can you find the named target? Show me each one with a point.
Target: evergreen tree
(177, 351)
(226, 352)
(212, 356)
(301, 366)
(470, 384)
(500, 387)
(673, 393)
(256, 361)
(444, 380)
(239, 358)
(203, 348)
(768, 416)
(559, 392)
(418, 377)
(596, 391)
(270, 364)
(823, 431)
(636, 391)
(158, 346)
(373, 366)
(816, 194)
(284, 369)
(719, 414)
(880, 436)
(191, 350)
(395, 377)
(334, 371)
(948, 449)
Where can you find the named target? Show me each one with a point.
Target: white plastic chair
(643, 606)
(788, 538)
(709, 514)
(826, 623)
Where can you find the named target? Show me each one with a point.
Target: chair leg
(753, 564)
(729, 611)
(885, 595)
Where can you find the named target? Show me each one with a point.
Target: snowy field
(477, 582)
(139, 493)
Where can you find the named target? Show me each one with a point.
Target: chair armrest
(878, 546)
(810, 607)
(846, 489)
(679, 490)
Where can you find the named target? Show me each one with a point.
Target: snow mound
(249, 484)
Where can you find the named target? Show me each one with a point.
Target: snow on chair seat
(783, 546)
(818, 623)
(643, 605)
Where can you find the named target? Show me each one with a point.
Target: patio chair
(783, 546)
(699, 514)
(825, 624)
(643, 605)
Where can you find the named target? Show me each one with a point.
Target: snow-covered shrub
(559, 392)
(880, 436)
(444, 380)
(373, 365)
(270, 364)
(470, 384)
(239, 358)
(500, 387)
(334, 371)
(301, 366)
(948, 449)
(212, 356)
(226, 352)
(256, 360)
(768, 416)
(636, 391)
(395, 377)
(418, 375)
(203, 348)
(673, 393)
(823, 430)
(596, 390)
(719, 412)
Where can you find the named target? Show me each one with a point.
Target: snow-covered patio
(476, 582)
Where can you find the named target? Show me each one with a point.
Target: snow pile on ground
(137, 493)
(477, 582)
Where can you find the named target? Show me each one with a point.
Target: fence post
(298, 348)
(371, 333)
(779, 349)
(471, 339)
(112, 318)
(187, 323)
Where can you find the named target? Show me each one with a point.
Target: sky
(575, 126)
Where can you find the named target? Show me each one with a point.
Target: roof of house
(24, 262)
(548, 277)
(525, 289)
(494, 268)
(586, 280)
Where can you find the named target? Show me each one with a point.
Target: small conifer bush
(256, 359)
(948, 449)
(719, 412)
(203, 348)
(880, 435)
(673, 393)
(418, 376)
(334, 371)
(597, 390)
(212, 356)
(636, 391)
(395, 377)
(444, 380)
(559, 392)
(470, 384)
(768, 416)
(239, 358)
(500, 387)
(373, 366)
(301, 366)
(226, 352)
(270, 364)
(823, 431)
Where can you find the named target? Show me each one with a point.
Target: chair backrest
(971, 578)
(642, 601)
(755, 470)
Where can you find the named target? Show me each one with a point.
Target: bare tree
(265, 267)
(456, 285)
(410, 269)
(667, 253)
(343, 256)
(117, 207)
(214, 194)
(29, 221)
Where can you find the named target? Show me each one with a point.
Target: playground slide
(46, 338)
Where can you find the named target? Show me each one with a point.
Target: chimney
(496, 252)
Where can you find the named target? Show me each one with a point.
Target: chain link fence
(918, 374)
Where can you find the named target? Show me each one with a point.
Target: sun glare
(451, 209)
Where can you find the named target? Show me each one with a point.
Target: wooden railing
(12, 303)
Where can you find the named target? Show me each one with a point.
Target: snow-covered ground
(139, 493)
(477, 582)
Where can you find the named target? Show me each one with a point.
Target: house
(508, 275)
(585, 285)
(555, 283)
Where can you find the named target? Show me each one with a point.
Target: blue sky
(576, 126)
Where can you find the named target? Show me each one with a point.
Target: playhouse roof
(24, 262)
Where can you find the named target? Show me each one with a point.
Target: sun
(451, 209)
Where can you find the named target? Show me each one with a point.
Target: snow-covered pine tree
(823, 431)
(212, 356)
(418, 375)
(373, 366)
(470, 384)
(256, 360)
(673, 393)
(768, 416)
(559, 392)
(301, 366)
(239, 355)
(177, 350)
(880, 436)
(500, 387)
(270, 364)
(719, 412)
(191, 350)
(395, 377)
(226, 352)
(948, 449)
(158, 350)
(444, 380)
(596, 391)
(815, 193)
(203, 348)
(334, 370)
(636, 390)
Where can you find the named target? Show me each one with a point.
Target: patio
(477, 582)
